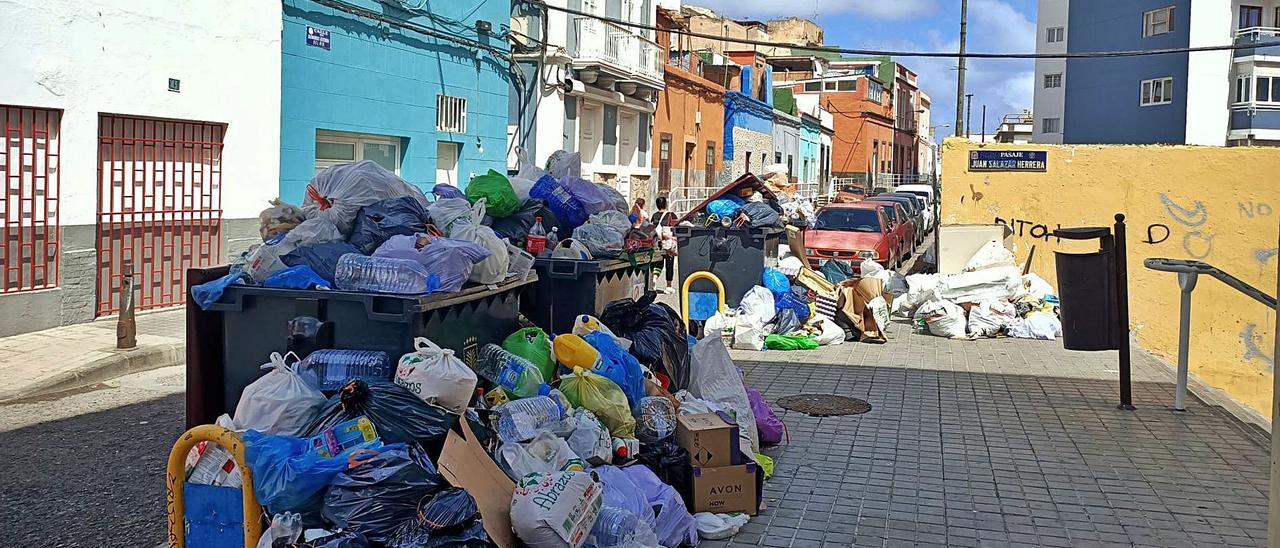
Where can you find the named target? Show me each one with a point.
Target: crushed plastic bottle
(657, 419)
(522, 420)
(357, 272)
(518, 377)
(332, 368)
(621, 528)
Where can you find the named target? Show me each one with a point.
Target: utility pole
(968, 113)
(984, 123)
(960, 126)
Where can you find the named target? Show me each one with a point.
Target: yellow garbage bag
(602, 397)
(766, 464)
(574, 351)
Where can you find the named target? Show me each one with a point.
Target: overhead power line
(892, 53)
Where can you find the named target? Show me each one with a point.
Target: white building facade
(1051, 74)
(140, 135)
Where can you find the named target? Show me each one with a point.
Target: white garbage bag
(690, 405)
(989, 318)
(1036, 286)
(555, 510)
(1037, 325)
(747, 333)
(493, 269)
(718, 322)
(719, 526)
(590, 439)
(544, 454)
(447, 212)
(713, 376)
(999, 283)
(758, 305)
(830, 334)
(522, 182)
(339, 192)
(991, 255)
(436, 376)
(944, 318)
(281, 402)
(313, 231)
(880, 311)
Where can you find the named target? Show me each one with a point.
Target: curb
(120, 363)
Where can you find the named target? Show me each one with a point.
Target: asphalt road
(87, 468)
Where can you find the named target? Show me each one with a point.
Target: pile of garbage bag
(396, 239)
(751, 202)
(548, 440)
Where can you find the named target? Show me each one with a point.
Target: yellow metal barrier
(684, 293)
(176, 477)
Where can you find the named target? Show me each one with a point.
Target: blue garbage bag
(788, 301)
(287, 475)
(297, 277)
(443, 191)
(377, 222)
(209, 292)
(590, 195)
(322, 258)
(724, 207)
(618, 366)
(567, 208)
(776, 282)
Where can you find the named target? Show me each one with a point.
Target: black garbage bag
(379, 221)
(515, 227)
(341, 539)
(786, 322)
(760, 215)
(322, 258)
(375, 497)
(657, 334)
(672, 465)
(397, 414)
(449, 519)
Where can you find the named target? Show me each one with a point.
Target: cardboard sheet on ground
(464, 463)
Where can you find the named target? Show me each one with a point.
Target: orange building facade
(863, 119)
(688, 125)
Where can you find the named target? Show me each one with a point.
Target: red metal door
(29, 170)
(159, 205)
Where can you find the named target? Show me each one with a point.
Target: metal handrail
(1188, 273)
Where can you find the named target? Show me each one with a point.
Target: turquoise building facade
(424, 94)
(810, 152)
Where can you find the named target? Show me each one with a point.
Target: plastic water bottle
(357, 272)
(615, 527)
(522, 420)
(553, 240)
(536, 241)
(334, 368)
(517, 376)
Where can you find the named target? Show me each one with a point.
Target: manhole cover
(824, 405)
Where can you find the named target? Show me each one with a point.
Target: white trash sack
(989, 318)
(758, 305)
(713, 376)
(747, 334)
(830, 334)
(555, 510)
(1037, 325)
(944, 318)
(544, 454)
(719, 526)
(436, 376)
(493, 269)
(338, 193)
(281, 402)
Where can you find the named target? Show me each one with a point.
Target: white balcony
(624, 55)
(1258, 41)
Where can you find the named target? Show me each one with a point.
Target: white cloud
(878, 9)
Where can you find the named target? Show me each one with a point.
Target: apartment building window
(335, 147)
(847, 85)
(829, 86)
(1243, 89)
(1156, 22)
(813, 86)
(1266, 89)
(1053, 80)
(1051, 125)
(1054, 34)
(1157, 92)
(1250, 17)
(748, 162)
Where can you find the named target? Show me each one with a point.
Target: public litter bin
(568, 287)
(1087, 290)
(737, 256)
(229, 341)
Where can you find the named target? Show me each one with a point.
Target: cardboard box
(727, 489)
(710, 438)
(464, 463)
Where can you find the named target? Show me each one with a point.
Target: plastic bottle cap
(537, 219)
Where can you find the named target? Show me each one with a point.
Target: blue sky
(1008, 26)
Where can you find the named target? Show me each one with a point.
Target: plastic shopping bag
(618, 366)
(437, 376)
(531, 343)
(768, 425)
(287, 475)
(716, 378)
(493, 269)
(758, 304)
(281, 402)
(339, 192)
(555, 510)
(602, 397)
(789, 342)
(590, 439)
(496, 191)
(544, 454)
(448, 262)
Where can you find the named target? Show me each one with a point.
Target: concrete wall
(1209, 204)
(93, 57)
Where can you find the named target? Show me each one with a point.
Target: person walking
(665, 219)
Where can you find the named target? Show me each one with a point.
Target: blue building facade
(1104, 96)
(424, 94)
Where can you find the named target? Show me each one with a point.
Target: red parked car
(851, 232)
(904, 228)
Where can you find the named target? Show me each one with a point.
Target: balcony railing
(1255, 116)
(603, 42)
(1266, 38)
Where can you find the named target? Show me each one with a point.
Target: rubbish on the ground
(758, 305)
(992, 254)
(689, 405)
(719, 526)
(944, 318)
(776, 282)
(727, 489)
(766, 464)
(573, 351)
(785, 323)
(207, 293)
(448, 262)
(522, 420)
(1037, 325)
(287, 474)
(603, 397)
(377, 495)
(618, 366)
(711, 439)
(281, 217)
(449, 519)
(1037, 288)
(768, 426)
(339, 192)
(555, 510)
(789, 342)
(436, 376)
(748, 333)
(854, 300)
(323, 258)
(496, 191)
(443, 191)
(282, 402)
(531, 343)
(398, 415)
(828, 332)
(920, 289)
(990, 318)
(674, 524)
(546, 453)
(880, 311)
(517, 376)
(285, 528)
(346, 438)
(974, 287)
(836, 271)
(590, 439)
(465, 464)
(657, 335)
(377, 222)
(603, 241)
(330, 369)
(657, 420)
(716, 378)
(297, 277)
(620, 528)
(492, 269)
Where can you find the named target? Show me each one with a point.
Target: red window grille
(29, 204)
(159, 206)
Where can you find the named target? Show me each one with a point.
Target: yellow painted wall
(1218, 205)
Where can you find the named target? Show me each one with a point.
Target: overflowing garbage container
(568, 287)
